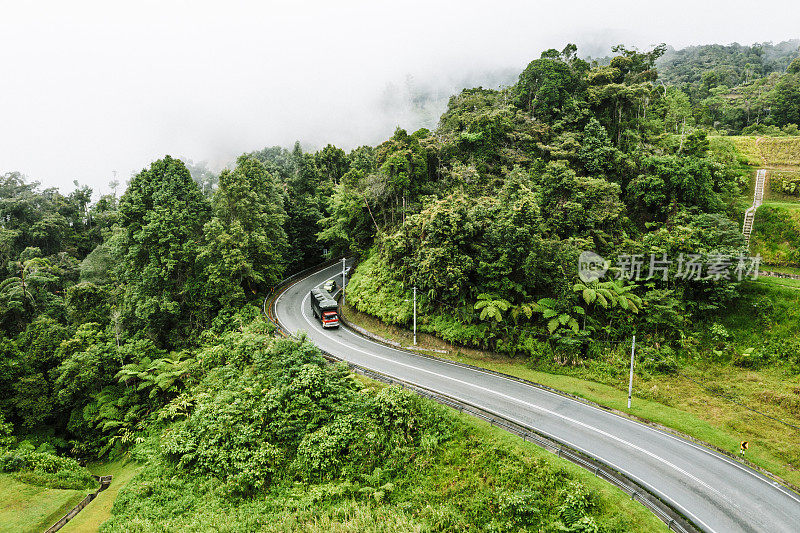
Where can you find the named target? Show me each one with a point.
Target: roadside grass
(462, 454)
(671, 400)
(611, 500)
(781, 282)
(99, 510)
(30, 508)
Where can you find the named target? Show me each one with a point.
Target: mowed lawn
(28, 508)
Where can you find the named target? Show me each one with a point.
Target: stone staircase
(758, 199)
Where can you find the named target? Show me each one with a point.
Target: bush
(750, 358)
(659, 358)
(348, 444)
(45, 469)
(784, 351)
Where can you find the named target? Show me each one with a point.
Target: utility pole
(344, 278)
(630, 380)
(415, 316)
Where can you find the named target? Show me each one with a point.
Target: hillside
(543, 225)
(731, 64)
(776, 231)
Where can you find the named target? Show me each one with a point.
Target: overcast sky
(87, 88)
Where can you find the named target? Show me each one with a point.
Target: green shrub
(781, 350)
(784, 183)
(45, 469)
(660, 358)
(349, 443)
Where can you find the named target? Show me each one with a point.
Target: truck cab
(324, 308)
(330, 319)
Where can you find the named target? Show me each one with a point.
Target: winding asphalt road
(719, 494)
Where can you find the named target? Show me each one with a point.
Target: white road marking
(535, 407)
(716, 455)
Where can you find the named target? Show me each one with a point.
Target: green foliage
(98, 266)
(245, 241)
(48, 220)
(597, 155)
(27, 292)
(733, 88)
(161, 376)
(89, 361)
(290, 413)
(475, 123)
(786, 100)
(87, 302)
(274, 436)
(43, 468)
(491, 308)
(550, 86)
(578, 206)
(460, 247)
(726, 64)
(162, 214)
(776, 234)
(31, 396)
(784, 183)
(304, 202)
(670, 183)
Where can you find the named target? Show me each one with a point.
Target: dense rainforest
(130, 324)
(734, 88)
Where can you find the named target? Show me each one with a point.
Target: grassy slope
(769, 152)
(776, 234)
(782, 282)
(26, 507)
(672, 400)
(440, 491)
(777, 223)
(99, 510)
(614, 502)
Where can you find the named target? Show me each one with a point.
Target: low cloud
(89, 87)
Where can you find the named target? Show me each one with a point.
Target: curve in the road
(717, 493)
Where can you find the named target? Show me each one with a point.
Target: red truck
(325, 308)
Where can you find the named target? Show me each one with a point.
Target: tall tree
(246, 243)
(786, 97)
(162, 216)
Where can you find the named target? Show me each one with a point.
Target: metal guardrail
(663, 509)
(673, 518)
(275, 291)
